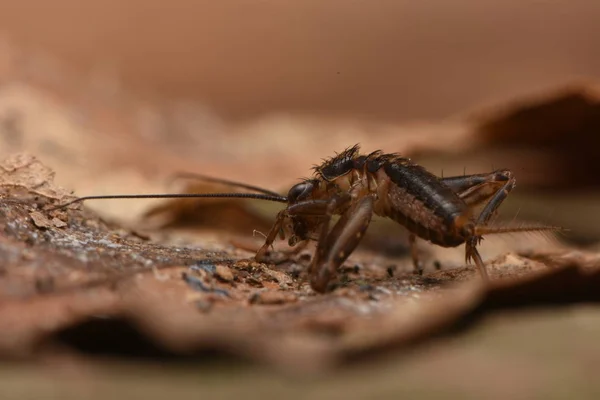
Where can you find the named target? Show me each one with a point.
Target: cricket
(355, 186)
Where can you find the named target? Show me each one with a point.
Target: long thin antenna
(193, 175)
(257, 196)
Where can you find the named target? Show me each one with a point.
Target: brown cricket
(355, 186)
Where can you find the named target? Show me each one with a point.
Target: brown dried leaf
(560, 127)
(22, 174)
(40, 220)
(58, 223)
(87, 268)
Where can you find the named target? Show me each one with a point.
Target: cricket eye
(300, 191)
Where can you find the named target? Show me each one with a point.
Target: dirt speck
(224, 273)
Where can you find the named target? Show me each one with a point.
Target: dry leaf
(24, 175)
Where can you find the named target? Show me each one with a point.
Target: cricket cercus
(355, 186)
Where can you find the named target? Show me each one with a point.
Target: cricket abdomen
(419, 201)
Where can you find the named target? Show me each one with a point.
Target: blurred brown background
(116, 95)
(388, 59)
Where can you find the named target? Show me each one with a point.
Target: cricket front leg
(309, 207)
(282, 256)
(262, 253)
(335, 247)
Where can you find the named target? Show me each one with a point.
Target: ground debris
(24, 177)
(198, 285)
(41, 221)
(224, 273)
(183, 300)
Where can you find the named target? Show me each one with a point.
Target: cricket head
(304, 213)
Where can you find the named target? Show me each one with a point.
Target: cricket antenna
(206, 178)
(257, 196)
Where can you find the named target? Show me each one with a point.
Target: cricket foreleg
(262, 253)
(335, 247)
(309, 207)
(333, 204)
(281, 256)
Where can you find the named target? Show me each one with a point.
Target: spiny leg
(262, 253)
(478, 188)
(334, 203)
(502, 182)
(412, 241)
(471, 253)
(309, 207)
(282, 256)
(484, 217)
(498, 197)
(473, 190)
(334, 248)
(461, 183)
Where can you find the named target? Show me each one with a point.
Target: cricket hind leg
(334, 247)
(417, 264)
(475, 190)
(478, 188)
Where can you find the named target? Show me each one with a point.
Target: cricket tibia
(494, 230)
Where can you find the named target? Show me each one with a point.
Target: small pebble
(224, 273)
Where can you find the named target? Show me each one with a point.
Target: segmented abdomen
(418, 200)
